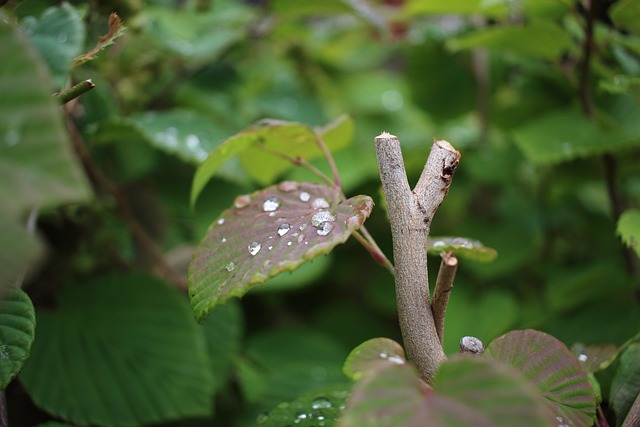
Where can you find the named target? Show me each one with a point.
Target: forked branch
(410, 214)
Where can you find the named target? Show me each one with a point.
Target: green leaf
(540, 39)
(125, 342)
(625, 14)
(626, 382)
(59, 35)
(319, 408)
(116, 29)
(553, 369)
(17, 327)
(462, 247)
(372, 354)
(35, 155)
(256, 144)
(629, 229)
(564, 135)
(223, 333)
(266, 233)
(467, 392)
(19, 249)
(465, 7)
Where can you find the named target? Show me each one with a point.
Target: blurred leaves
(629, 229)
(17, 330)
(625, 386)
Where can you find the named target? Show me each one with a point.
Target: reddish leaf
(267, 232)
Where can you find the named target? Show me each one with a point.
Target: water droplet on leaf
(62, 37)
(288, 243)
(271, 204)
(288, 186)
(321, 403)
(583, 357)
(254, 248)
(322, 216)
(283, 229)
(224, 239)
(303, 227)
(12, 138)
(320, 203)
(230, 266)
(324, 228)
(242, 201)
(304, 196)
(220, 221)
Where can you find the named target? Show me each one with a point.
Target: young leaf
(629, 229)
(467, 392)
(17, 327)
(626, 382)
(594, 358)
(267, 232)
(462, 247)
(116, 29)
(319, 408)
(554, 370)
(35, 155)
(370, 355)
(626, 14)
(125, 342)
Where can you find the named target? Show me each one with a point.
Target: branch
(74, 92)
(410, 215)
(442, 290)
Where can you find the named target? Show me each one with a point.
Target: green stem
(75, 91)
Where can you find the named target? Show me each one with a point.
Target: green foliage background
(540, 180)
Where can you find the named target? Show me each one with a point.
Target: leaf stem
(299, 161)
(371, 246)
(330, 160)
(442, 290)
(75, 91)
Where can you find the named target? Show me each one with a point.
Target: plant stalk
(410, 215)
(442, 290)
(75, 91)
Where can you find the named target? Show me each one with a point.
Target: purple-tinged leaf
(372, 354)
(467, 392)
(267, 232)
(555, 371)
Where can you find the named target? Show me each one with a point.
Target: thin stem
(131, 222)
(410, 215)
(330, 160)
(377, 255)
(442, 290)
(299, 161)
(379, 252)
(75, 91)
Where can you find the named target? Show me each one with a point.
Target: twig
(135, 228)
(74, 92)
(381, 256)
(410, 215)
(375, 252)
(442, 290)
(299, 161)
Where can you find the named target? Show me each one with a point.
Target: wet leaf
(629, 229)
(255, 145)
(626, 382)
(17, 327)
(553, 369)
(466, 392)
(372, 354)
(626, 14)
(462, 247)
(594, 358)
(319, 408)
(267, 232)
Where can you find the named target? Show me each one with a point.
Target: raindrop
(438, 244)
(230, 267)
(324, 228)
(300, 238)
(288, 243)
(395, 359)
(220, 221)
(583, 357)
(299, 417)
(270, 247)
(12, 138)
(193, 141)
(283, 229)
(320, 203)
(254, 248)
(242, 201)
(304, 196)
(271, 204)
(322, 216)
(272, 214)
(262, 418)
(383, 355)
(321, 403)
(303, 227)
(316, 414)
(288, 186)
(224, 239)
(62, 37)
(295, 234)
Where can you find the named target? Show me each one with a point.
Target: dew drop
(230, 267)
(395, 359)
(303, 227)
(254, 248)
(283, 229)
(288, 243)
(383, 355)
(271, 204)
(242, 201)
(321, 403)
(296, 234)
(224, 239)
(270, 247)
(288, 186)
(438, 244)
(322, 216)
(324, 228)
(320, 203)
(300, 417)
(220, 221)
(304, 196)
(193, 141)
(62, 37)
(583, 357)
